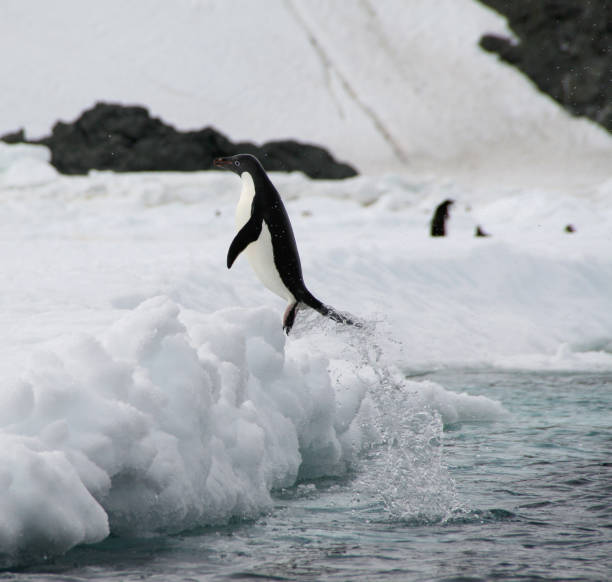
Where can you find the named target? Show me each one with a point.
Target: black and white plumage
(438, 221)
(265, 232)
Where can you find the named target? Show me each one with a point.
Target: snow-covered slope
(386, 85)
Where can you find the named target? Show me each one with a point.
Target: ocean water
(524, 497)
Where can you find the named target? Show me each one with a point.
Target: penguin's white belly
(259, 252)
(261, 258)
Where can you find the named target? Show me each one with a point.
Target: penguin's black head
(239, 163)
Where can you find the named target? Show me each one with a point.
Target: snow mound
(156, 426)
(25, 165)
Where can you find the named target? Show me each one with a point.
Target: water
(525, 498)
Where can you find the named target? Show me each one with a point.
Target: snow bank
(25, 165)
(391, 85)
(79, 252)
(157, 427)
(148, 428)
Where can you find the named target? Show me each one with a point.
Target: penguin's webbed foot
(289, 317)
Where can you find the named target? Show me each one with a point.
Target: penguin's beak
(222, 162)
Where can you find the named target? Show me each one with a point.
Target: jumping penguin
(264, 230)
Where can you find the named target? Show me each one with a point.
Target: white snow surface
(388, 86)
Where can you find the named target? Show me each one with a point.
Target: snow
(144, 387)
(387, 86)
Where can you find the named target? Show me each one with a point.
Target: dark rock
(564, 47)
(15, 137)
(127, 139)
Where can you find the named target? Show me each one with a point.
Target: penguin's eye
(237, 163)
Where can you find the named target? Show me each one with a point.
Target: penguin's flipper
(246, 235)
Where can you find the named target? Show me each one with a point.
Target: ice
(156, 426)
(454, 407)
(46, 507)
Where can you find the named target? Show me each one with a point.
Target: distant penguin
(264, 230)
(570, 228)
(438, 222)
(480, 232)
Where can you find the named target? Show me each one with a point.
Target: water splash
(402, 466)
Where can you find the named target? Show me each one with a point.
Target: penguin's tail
(311, 301)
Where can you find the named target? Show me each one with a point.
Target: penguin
(265, 232)
(438, 222)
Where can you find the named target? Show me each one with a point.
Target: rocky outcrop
(127, 139)
(564, 47)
